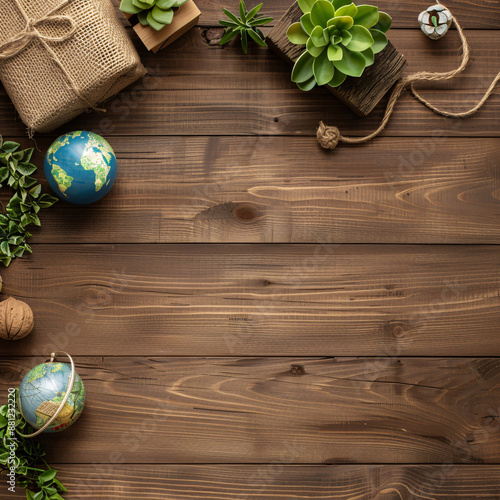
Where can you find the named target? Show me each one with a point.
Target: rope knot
(328, 137)
(19, 42)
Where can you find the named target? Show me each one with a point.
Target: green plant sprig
(22, 209)
(32, 472)
(247, 25)
(341, 40)
(154, 13)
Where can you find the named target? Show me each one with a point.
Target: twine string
(18, 43)
(329, 136)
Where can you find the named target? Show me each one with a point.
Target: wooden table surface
(256, 318)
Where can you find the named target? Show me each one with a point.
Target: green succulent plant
(341, 40)
(154, 13)
(247, 26)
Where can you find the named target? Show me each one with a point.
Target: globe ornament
(80, 167)
(51, 396)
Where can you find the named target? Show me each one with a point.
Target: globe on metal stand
(51, 396)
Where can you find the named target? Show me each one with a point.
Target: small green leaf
(165, 4)
(346, 37)
(254, 11)
(244, 41)
(347, 10)
(256, 38)
(367, 16)
(323, 69)
(321, 12)
(334, 53)
(128, 7)
(243, 11)
(143, 17)
(369, 56)
(233, 18)
(306, 5)
(303, 70)
(352, 64)
(4, 248)
(341, 23)
(10, 147)
(143, 4)
(4, 173)
(317, 37)
(228, 35)
(48, 475)
(361, 39)
(153, 23)
(162, 16)
(296, 34)
(306, 23)
(340, 3)
(312, 49)
(229, 24)
(26, 168)
(259, 21)
(384, 22)
(379, 41)
(307, 85)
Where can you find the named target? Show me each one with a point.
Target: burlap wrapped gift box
(59, 58)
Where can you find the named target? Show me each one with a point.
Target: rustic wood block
(360, 94)
(184, 19)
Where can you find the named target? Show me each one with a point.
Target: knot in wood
(297, 370)
(245, 213)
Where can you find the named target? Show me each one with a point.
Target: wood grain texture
(362, 94)
(283, 190)
(258, 410)
(473, 14)
(278, 481)
(260, 300)
(219, 91)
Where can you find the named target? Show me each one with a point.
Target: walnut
(16, 319)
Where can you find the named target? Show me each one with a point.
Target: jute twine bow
(15, 45)
(328, 136)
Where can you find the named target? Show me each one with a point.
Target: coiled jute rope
(329, 136)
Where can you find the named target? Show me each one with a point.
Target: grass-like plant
(154, 13)
(247, 26)
(341, 40)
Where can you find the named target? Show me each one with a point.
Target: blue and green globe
(80, 167)
(42, 391)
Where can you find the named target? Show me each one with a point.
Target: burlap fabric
(59, 58)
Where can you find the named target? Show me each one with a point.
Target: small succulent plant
(341, 40)
(246, 26)
(154, 13)
(435, 21)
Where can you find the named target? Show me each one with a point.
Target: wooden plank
(256, 410)
(278, 481)
(473, 14)
(260, 300)
(282, 190)
(233, 94)
(362, 94)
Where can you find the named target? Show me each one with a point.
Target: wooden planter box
(360, 94)
(184, 19)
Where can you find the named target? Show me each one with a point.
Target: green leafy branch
(247, 25)
(22, 209)
(32, 472)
